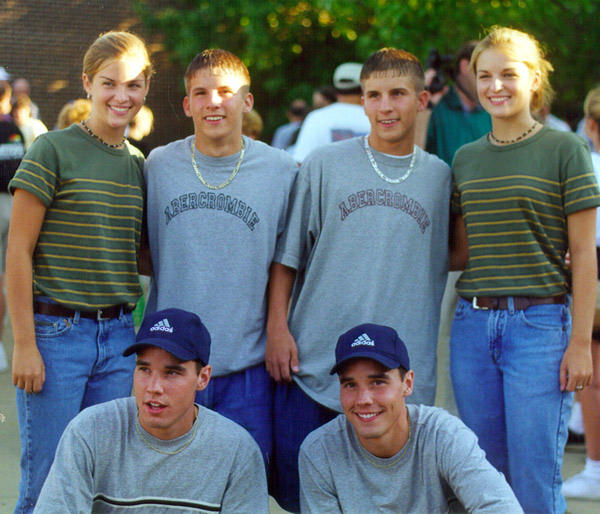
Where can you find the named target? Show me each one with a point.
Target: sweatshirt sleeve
(317, 491)
(477, 484)
(303, 223)
(247, 487)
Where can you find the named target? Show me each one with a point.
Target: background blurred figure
(252, 124)
(30, 127)
(343, 119)
(458, 118)
(73, 112)
(286, 135)
(21, 88)
(586, 485)
(324, 96)
(12, 149)
(547, 118)
(141, 126)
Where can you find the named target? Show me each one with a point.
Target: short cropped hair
(398, 62)
(217, 60)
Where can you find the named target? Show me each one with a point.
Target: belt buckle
(476, 307)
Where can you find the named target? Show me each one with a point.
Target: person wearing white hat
(341, 120)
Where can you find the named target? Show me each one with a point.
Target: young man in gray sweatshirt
(158, 452)
(383, 454)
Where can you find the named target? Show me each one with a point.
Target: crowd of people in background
(405, 209)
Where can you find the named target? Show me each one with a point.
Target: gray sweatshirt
(440, 462)
(102, 464)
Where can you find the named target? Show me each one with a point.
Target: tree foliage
(293, 46)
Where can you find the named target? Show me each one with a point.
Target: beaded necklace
(89, 131)
(510, 141)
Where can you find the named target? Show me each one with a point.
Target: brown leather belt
(55, 309)
(521, 303)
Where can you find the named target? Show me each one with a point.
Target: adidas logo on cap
(363, 340)
(163, 325)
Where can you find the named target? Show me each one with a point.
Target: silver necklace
(380, 173)
(187, 443)
(89, 131)
(233, 173)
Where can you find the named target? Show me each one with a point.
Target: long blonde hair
(524, 48)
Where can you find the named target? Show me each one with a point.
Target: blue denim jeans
(505, 373)
(245, 397)
(295, 415)
(83, 366)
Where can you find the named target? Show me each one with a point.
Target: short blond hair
(74, 112)
(114, 45)
(217, 60)
(591, 106)
(395, 62)
(524, 48)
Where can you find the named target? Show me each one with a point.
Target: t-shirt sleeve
(580, 188)
(317, 492)
(309, 138)
(38, 172)
(247, 487)
(476, 483)
(303, 225)
(69, 485)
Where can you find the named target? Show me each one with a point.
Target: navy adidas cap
(179, 332)
(370, 341)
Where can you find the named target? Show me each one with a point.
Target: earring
(89, 96)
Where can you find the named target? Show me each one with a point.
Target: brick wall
(45, 40)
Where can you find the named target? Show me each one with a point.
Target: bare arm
(576, 366)
(26, 221)
(281, 355)
(459, 248)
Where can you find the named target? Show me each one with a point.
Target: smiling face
(505, 85)
(391, 103)
(216, 102)
(117, 93)
(165, 388)
(373, 400)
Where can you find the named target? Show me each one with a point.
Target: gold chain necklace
(233, 173)
(510, 141)
(162, 451)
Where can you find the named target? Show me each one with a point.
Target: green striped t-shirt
(515, 200)
(85, 257)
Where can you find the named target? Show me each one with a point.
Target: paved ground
(9, 449)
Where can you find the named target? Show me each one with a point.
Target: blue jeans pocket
(51, 326)
(546, 317)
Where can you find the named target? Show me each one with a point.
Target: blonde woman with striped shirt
(71, 263)
(526, 194)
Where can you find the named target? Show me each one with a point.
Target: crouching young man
(159, 451)
(383, 454)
